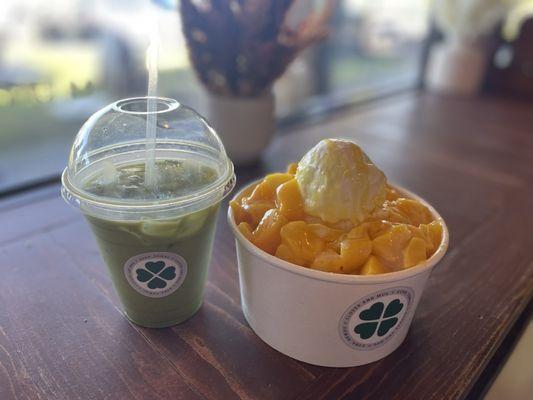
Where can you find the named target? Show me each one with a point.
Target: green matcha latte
(158, 266)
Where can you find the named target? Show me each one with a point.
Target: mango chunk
(274, 180)
(325, 232)
(354, 253)
(432, 235)
(263, 191)
(256, 210)
(390, 245)
(289, 200)
(260, 200)
(435, 230)
(291, 168)
(245, 193)
(285, 253)
(246, 230)
(239, 213)
(404, 211)
(302, 242)
(414, 253)
(376, 228)
(391, 194)
(328, 261)
(415, 212)
(359, 232)
(267, 234)
(373, 267)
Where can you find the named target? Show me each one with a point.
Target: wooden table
(62, 334)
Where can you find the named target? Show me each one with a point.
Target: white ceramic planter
(456, 67)
(245, 124)
(324, 318)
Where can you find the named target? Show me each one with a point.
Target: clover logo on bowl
(155, 274)
(380, 319)
(373, 320)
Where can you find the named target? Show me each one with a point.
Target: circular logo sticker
(155, 274)
(373, 320)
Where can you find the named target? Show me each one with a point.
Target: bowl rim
(274, 261)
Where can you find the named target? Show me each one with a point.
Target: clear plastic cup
(156, 242)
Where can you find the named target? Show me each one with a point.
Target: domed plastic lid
(107, 173)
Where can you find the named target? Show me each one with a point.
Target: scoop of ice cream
(339, 182)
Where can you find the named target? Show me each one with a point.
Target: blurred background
(61, 60)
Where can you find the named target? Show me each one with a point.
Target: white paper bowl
(316, 316)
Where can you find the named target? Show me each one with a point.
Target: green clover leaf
(156, 274)
(366, 330)
(154, 267)
(386, 326)
(379, 319)
(143, 275)
(393, 308)
(374, 312)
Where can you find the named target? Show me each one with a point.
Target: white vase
(245, 124)
(456, 67)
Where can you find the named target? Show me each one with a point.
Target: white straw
(152, 56)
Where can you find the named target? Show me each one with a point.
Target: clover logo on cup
(371, 321)
(155, 274)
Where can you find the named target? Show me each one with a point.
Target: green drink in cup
(154, 223)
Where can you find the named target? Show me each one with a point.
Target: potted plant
(238, 50)
(458, 63)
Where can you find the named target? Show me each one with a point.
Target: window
(61, 60)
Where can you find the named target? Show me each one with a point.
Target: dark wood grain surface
(62, 334)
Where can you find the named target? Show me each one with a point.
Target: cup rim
(274, 261)
(120, 105)
(225, 182)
